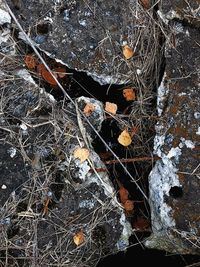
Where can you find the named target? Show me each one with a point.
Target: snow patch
(12, 152)
(138, 71)
(162, 93)
(83, 169)
(198, 131)
(89, 204)
(4, 16)
(23, 126)
(174, 153)
(66, 15)
(48, 19)
(197, 115)
(83, 22)
(5, 35)
(106, 79)
(3, 187)
(24, 74)
(187, 143)
(123, 241)
(161, 179)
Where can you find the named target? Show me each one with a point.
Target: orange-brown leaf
(124, 138)
(40, 68)
(129, 205)
(30, 61)
(79, 238)
(111, 108)
(129, 94)
(123, 194)
(88, 109)
(145, 3)
(48, 77)
(127, 52)
(141, 224)
(81, 153)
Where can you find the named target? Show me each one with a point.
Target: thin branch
(71, 100)
(107, 162)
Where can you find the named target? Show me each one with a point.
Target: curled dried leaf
(141, 224)
(145, 3)
(79, 238)
(49, 77)
(81, 153)
(111, 107)
(127, 52)
(30, 61)
(129, 205)
(88, 109)
(40, 68)
(123, 194)
(124, 138)
(129, 94)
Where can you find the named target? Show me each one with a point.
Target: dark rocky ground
(47, 195)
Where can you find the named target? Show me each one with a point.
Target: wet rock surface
(174, 181)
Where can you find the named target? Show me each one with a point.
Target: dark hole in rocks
(136, 256)
(43, 28)
(176, 192)
(57, 188)
(80, 84)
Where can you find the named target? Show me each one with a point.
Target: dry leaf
(48, 77)
(127, 52)
(145, 3)
(129, 94)
(30, 61)
(124, 138)
(88, 109)
(123, 194)
(141, 224)
(129, 206)
(81, 153)
(60, 71)
(79, 238)
(111, 107)
(40, 67)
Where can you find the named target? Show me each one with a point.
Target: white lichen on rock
(4, 15)
(24, 74)
(162, 94)
(12, 152)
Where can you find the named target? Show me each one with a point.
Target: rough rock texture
(175, 180)
(47, 195)
(89, 35)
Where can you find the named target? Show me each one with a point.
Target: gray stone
(46, 194)
(89, 35)
(174, 181)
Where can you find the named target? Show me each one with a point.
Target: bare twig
(108, 162)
